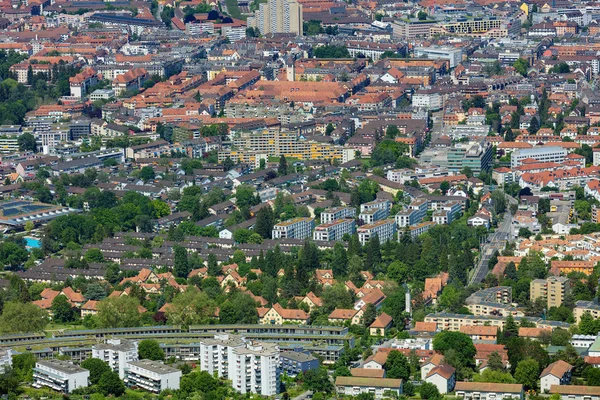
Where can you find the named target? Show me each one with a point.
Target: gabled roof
(382, 321)
(445, 371)
(558, 369)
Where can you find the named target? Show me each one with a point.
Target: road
(496, 242)
(304, 396)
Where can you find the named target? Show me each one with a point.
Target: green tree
(181, 265)
(370, 315)
(118, 312)
(521, 66)
(283, 167)
(265, 220)
(147, 173)
(457, 341)
(110, 384)
(495, 362)
(336, 296)
(429, 391)
(191, 307)
(27, 142)
(62, 309)
(339, 260)
(397, 366)
(22, 318)
(10, 382)
(527, 374)
(149, 349)
(444, 187)
(317, 380)
(94, 255)
(23, 365)
(96, 367)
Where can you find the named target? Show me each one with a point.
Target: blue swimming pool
(33, 242)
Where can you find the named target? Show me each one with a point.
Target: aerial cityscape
(300, 199)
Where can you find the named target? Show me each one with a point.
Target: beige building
(278, 16)
(553, 290)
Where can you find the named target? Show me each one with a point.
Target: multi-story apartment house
(383, 229)
(278, 16)
(130, 80)
(414, 214)
(447, 213)
(59, 375)
(116, 353)
(553, 290)
(376, 204)
(5, 358)
(252, 367)
(333, 231)
(296, 228)
(334, 213)
(373, 214)
(152, 376)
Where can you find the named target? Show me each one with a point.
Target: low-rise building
(443, 377)
(488, 391)
(335, 213)
(58, 375)
(295, 362)
(575, 392)
(557, 373)
(152, 376)
(379, 387)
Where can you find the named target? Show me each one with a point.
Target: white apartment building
(384, 230)
(453, 55)
(5, 358)
(278, 16)
(335, 213)
(373, 214)
(541, 154)
(427, 99)
(252, 367)
(381, 204)
(414, 214)
(152, 376)
(335, 230)
(419, 229)
(447, 213)
(296, 228)
(116, 353)
(61, 376)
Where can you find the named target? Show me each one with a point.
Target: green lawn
(233, 9)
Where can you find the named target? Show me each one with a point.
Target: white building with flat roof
(383, 229)
(453, 55)
(296, 228)
(541, 154)
(335, 230)
(116, 353)
(335, 213)
(252, 367)
(153, 376)
(58, 375)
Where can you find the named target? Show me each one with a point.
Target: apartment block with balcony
(447, 213)
(335, 213)
(116, 353)
(413, 214)
(383, 229)
(335, 230)
(376, 204)
(373, 214)
(61, 376)
(152, 376)
(252, 367)
(296, 228)
(553, 290)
